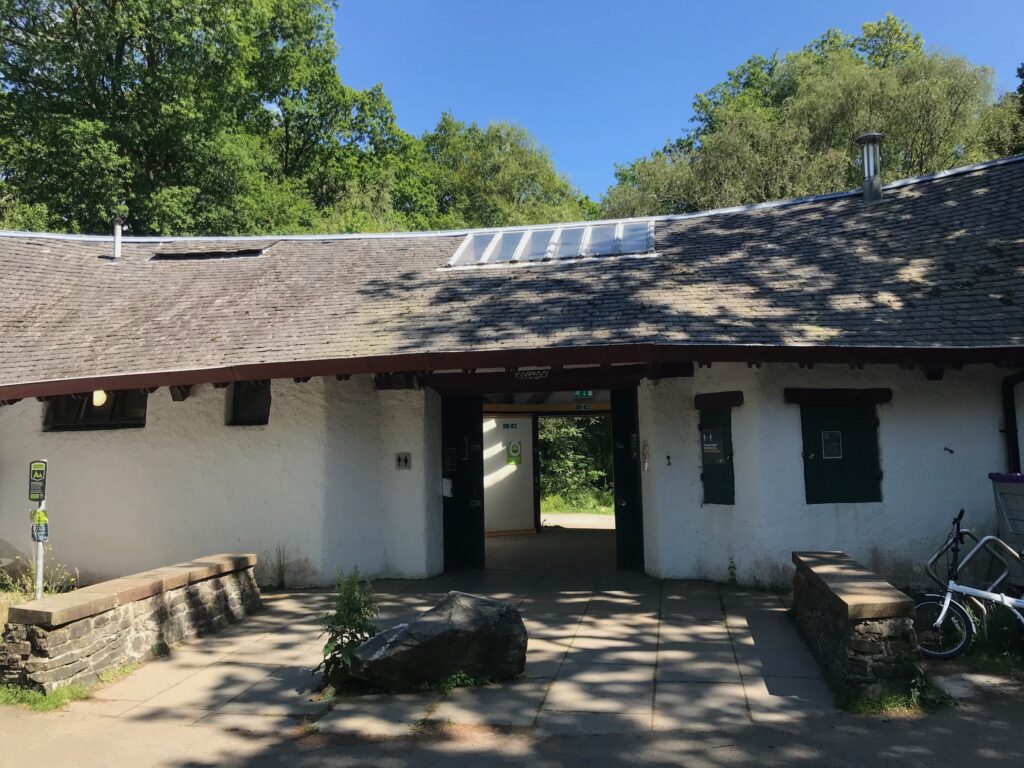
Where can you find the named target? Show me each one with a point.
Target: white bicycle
(944, 625)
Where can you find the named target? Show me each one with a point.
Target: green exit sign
(583, 394)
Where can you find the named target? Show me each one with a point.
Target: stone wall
(76, 636)
(859, 627)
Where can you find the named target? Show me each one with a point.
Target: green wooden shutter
(716, 456)
(841, 453)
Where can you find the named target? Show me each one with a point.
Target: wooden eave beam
(617, 354)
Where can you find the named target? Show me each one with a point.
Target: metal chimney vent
(118, 224)
(871, 160)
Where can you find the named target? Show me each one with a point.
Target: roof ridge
(156, 239)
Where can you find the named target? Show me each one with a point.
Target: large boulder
(482, 638)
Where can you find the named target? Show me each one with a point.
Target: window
(717, 475)
(248, 403)
(121, 410)
(560, 244)
(841, 453)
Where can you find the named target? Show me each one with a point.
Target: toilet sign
(37, 481)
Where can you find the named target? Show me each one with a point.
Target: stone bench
(859, 627)
(75, 636)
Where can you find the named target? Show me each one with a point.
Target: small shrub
(998, 649)
(348, 626)
(20, 575)
(458, 680)
(590, 501)
(11, 695)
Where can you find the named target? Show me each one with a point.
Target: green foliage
(921, 693)
(457, 680)
(228, 117)
(998, 647)
(12, 695)
(19, 576)
(497, 176)
(927, 698)
(114, 674)
(785, 126)
(348, 626)
(575, 457)
(590, 501)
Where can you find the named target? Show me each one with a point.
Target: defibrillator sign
(513, 453)
(37, 481)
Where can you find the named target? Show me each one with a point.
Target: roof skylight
(555, 243)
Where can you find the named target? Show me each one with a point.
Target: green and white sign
(37, 481)
(583, 394)
(513, 453)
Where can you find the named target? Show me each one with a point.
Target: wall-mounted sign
(584, 407)
(37, 481)
(831, 444)
(513, 453)
(712, 445)
(537, 375)
(583, 394)
(510, 425)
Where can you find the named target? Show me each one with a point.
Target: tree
(784, 126)
(229, 117)
(497, 176)
(575, 456)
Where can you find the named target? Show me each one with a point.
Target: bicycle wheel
(948, 640)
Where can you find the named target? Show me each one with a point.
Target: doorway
(574, 473)
(466, 453)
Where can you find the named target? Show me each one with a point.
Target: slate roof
(938, 265)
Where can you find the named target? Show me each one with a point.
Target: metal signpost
(40, 523)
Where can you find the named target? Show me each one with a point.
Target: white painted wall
(508, 488)
(922, 488)
(317, 484)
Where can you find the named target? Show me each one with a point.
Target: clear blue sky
(599, 82)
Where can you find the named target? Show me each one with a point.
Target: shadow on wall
(8, 552)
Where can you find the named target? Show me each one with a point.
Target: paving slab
(699, 706)
(288, 690)
(609, 688)
(543, 658)
(607, 653)
(377, 714)
(508, 704)
(261, 724)
(103, 707)
(697, 663)
(154, 678)
(786, 699)
(776, 662)
(211, 687)
(145, 713)
(592, 723)
(693, 632)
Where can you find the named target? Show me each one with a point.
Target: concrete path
(977, 734)
(579, 520)
(609, 652)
